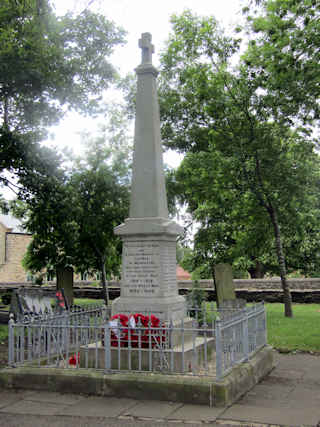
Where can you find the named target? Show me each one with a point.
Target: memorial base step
(183, 358)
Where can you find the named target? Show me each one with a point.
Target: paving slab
(30, 407)
(286, 417)
(53, 397)
(291, 374)
(295, 362)
(95, 406)
(154, 409)
(196, 412)
(283, 378)
(313, 375)
(265, 395)
(304, 397)
(9, 397)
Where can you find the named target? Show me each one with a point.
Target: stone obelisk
(148, 282)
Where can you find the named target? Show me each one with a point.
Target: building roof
(14, 224)
(182, 274)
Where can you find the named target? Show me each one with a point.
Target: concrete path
(289, 396)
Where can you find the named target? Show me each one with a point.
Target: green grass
(87, 301)
(301, 332)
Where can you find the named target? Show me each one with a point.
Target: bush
(195, 300)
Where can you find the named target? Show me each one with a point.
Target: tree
(101, 188)
(284, 54)
(234, 228)
(72, 221)
(48, 64)
(215, 111)
(49, 216)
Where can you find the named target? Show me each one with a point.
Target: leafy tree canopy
(284, 55)
(48, 64)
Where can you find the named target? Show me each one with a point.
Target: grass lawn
(87, 301)
(301, 332)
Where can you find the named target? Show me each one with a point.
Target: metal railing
(207, 344)
(239, 337)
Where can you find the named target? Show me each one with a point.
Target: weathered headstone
(148, 283)
(223, 281)
(227, 302)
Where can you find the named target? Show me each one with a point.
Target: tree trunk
(257, 271)
(65, 281)
(282, 265)
(105, 290)
(6, 113)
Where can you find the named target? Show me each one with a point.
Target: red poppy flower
(73, 359)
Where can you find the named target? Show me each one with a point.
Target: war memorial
(152, 345)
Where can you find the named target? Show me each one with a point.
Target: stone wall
(259, 284)
(251, 285)
(13, 247)
(268, 290)
(3, 232)
(275, 283)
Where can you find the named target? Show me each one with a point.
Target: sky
(140, 16)
(137, 17)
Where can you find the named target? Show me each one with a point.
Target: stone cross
(147, 48)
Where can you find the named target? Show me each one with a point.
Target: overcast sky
(140, 16)
(136, 17)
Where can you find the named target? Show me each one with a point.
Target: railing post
(219, 350)
(265, 324)
(107, 346)
(245, 332)
(11, 341)
(195, 330)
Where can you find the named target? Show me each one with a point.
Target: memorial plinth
(148, 282)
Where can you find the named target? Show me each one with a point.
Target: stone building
(13, 245)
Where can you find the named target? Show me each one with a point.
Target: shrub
(195, 300)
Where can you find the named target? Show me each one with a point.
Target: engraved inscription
(168, 261)
(141, 262)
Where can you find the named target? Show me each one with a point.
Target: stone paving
(289, 396)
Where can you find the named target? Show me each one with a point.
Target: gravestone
(223, 281)
(148, 282)
(226, 296)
